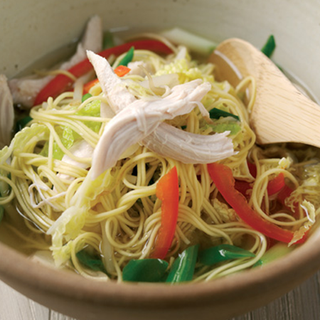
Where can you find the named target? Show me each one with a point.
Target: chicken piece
(25, 90)
(91, 40)
(188, 147)
(142, 121)
(112, 86)
(6, 112)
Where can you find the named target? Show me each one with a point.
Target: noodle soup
(150, 172)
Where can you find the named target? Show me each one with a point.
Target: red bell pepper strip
(61, 82)
(252, 169)
(87, 86)
(224, 181)
(283, 195)
(276, 184)
(120, 71)
(167, 190)
(243, 187)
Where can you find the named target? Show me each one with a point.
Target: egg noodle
(118, 215)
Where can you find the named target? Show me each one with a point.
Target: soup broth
(150, 208)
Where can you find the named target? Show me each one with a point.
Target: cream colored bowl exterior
(30, 29)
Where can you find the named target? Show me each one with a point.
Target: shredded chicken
(6, 112)
(192, 148)
(142, 121)
(112, 86)
(24, 90)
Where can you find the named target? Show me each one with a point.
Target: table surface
(302, 303)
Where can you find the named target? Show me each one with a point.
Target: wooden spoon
(281, 113)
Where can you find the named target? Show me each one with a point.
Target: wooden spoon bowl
(281, 113)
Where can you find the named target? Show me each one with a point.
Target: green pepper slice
(85, 97)
(223, 252)
(22, 123)
(216, 113)
(269, 46)
(90, 261)
(145, 270)
(183, 268)
(108, 41)
(277, 251)
(1, 213)
(127, 58)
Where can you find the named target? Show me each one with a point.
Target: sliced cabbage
(21, 139)
(310, 211)
(185, 70)
(69, 225)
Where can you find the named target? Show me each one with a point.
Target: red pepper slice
(283, 195)
(121, 71)
(276, 184)
(61, 82)
(252, 169)
(243, 187)
(167, 190)
(224, 181)
(87, 86)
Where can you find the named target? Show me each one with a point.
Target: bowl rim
(286, 273)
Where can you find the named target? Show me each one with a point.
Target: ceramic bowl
(31, 29)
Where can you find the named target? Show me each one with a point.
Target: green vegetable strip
(277, 251)
(269, 46)
(22, 123)
(127, 58)
(90, 261)
(145, 270)
(183, 268)
(216, 113)
(86, 96)
(1, 213)
(234, 128)
(107, 40)
(221, 253)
